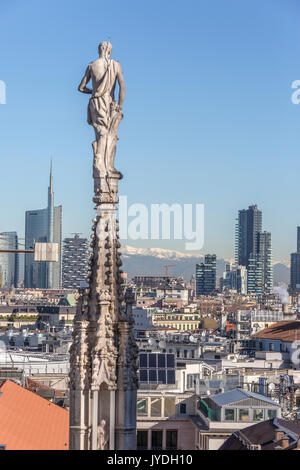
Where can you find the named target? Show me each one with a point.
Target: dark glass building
(206, 275)
(295, 267)
(253, 250)
(43, 225)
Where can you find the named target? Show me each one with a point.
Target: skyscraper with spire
(43, 225)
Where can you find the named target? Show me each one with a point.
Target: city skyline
(238, 117)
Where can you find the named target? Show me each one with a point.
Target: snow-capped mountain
(153, 261)
(157, 253)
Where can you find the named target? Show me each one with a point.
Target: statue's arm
(121, 83)
(82, 87)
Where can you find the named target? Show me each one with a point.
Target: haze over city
(209, 115)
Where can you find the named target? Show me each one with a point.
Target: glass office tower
(43, 225)
(9, 262)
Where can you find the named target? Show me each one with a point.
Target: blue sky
(208, 116)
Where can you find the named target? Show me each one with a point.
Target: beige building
(163, 420)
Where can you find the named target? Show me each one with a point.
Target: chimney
(285, 442)
(285, 308)
(279, 435)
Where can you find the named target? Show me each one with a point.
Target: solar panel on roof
(157, 368)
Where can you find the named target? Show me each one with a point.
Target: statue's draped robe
(99, 111)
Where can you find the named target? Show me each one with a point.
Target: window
(272, 414)
(155, 406)
(192, 354)
(169, 407)
(229, 414)
(185, 353)
(244, 414)
(142, 406)
(271, 346)
(182, 408)
(156, 440)
(258, 415)
(142, 440)
(171, 439)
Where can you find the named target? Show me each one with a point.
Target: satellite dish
(192, 339)
(271, 387)
(162, 344)
(151, 341)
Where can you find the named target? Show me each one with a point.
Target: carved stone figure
(104, 113)
(102, 436)
(103, 377)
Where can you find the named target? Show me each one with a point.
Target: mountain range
(153, 262)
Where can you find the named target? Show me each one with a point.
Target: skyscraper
(206, 276)
(75, 262)
(295, 267)
(234, 278)
(253, 250)
(43, 225)
(265, 260)
(9, 262)
(248, 226)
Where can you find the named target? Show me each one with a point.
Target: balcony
(212, 415)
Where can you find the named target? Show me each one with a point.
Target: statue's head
(104, 49)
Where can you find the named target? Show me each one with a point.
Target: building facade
(9, 262)
(75, 262)
(206, 276)
(222, 414)
(295, 267)
(235, 278)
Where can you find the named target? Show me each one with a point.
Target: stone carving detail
(104, 295)
(104, 353)
(79, 358)
(104, 356)
(127, 359)
(102, 436)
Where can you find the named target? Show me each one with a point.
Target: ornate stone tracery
(103, 356)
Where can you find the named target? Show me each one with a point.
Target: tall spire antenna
(51, 175)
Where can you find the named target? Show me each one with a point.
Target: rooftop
(29, 422)
(265, 435)
(283, 331)
(238, 394)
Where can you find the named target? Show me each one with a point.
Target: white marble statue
(104, 112)
(102, 437)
